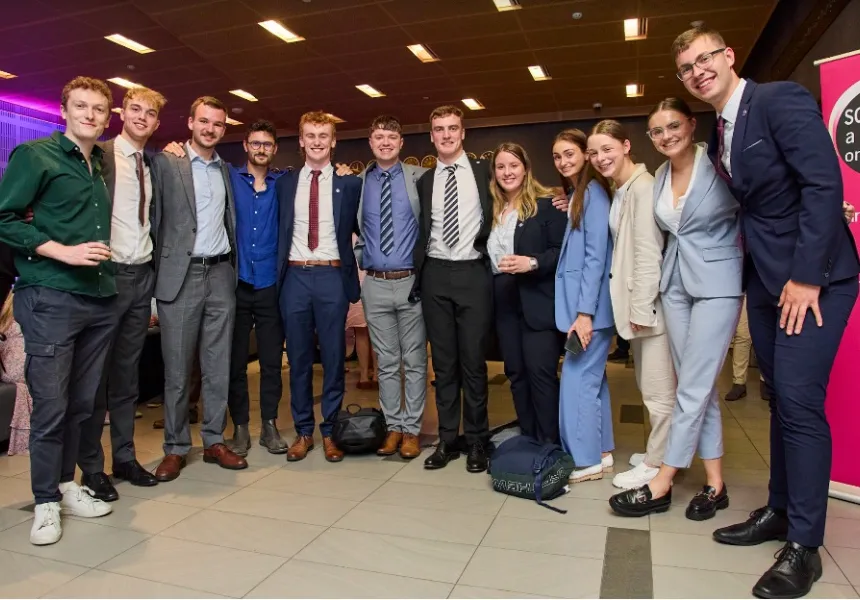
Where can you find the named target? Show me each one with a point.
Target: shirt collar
(327, 172)
(730, 110)
(393, 171)
(124, 147)
(461, 162)
(243, 170)
(69, 146)
(192, 155)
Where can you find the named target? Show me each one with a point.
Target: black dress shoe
(134, 473)
(764, 525)
(706, 503)
(796, 569)
(638, 502)
(441, 457)
(101, 486)
(476, 460)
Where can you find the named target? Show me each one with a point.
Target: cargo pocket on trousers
(39, 363)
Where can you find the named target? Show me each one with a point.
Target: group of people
(449, 253)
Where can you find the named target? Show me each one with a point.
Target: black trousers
(531, 362)
(257, 309)
(457, 304)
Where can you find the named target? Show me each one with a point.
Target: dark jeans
(257, 309)
(623, 345)
(66, 339)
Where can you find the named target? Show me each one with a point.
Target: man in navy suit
(318, 278)
(772, 148)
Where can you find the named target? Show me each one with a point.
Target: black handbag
(359, 430)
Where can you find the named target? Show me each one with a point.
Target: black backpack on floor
(359, 430)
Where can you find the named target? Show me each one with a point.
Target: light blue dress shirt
(210, 196)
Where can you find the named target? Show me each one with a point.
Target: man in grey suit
(195, 230)
(388, 223)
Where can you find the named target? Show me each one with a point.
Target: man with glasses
(772, 149)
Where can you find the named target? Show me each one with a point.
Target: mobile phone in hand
(573, 344)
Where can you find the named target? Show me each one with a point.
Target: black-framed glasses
(267, 146)
(703, 62)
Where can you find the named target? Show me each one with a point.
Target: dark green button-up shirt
(71, 205)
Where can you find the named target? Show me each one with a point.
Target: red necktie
(314, 216)
(721, 147)
(141, 207)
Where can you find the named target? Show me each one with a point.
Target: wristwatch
(533, 265)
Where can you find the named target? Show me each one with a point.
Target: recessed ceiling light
(116, 110)
(635, 90)
(129, 43)
(245, 95)
(233, 121)
(635, 29)
(124, 82)
(697, 24)
(576, 16)
(472, 104)
(539, 73)
(423, 53)
(280, 31)
(505, 5)
(336, 118)
(370, 90)
(7, 75)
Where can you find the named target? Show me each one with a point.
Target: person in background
(741, 347)
(621, 352)
(12, 363)
(357, 322)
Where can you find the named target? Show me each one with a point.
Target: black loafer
(764, 525)
(639, 503)
(101, 486)
(441, 457)
(134, 473)
(706, 503)
(792, 575)
(476, 460)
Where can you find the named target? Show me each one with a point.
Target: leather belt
(210, 260)
(314, 263)
(391, 274)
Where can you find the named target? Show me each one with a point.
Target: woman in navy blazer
(523, 247)
(583, 308)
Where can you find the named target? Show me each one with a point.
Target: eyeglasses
(657, 133)
(703, 62)
(267, 146)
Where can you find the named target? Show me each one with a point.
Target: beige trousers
(655, 378)
(741, 345)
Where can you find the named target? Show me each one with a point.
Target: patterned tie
(386, 216)
(451, 220)
(721, 147)
(314, 212)
(141, 206)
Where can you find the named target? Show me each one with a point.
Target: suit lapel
(740, 129)
(427, 207)
(336, 201)
(482, 180)
(109, 167)
(188, 183)
(230, 209)
(700, 187)
(411, 177)
(518, 232)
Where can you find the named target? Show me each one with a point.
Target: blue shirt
(210, 195)
(256, 228)
(405, 224)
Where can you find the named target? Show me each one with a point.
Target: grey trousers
(397, 332)
(203, 311)
(119, 387)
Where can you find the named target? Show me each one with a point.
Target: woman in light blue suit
(701, 294)
(583, 308)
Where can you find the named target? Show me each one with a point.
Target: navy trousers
(796, 370)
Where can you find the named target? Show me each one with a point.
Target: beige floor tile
(480, 502)
(580, 511)
(395, 555)
(244, 532)
(315, 484)
(301, 579)
(848, 560)
(444, 526)
(361, 467)
(841, 509)
(585, 541)
(23, 576)
(13, 465)
(101, 584)
(201, 471)
(454, 475)
(188, 492)
(842, 532)
(469, 591)
(15, 493)
(9, 517)
(145, 516)
(747, 461)
(84, 543)
(675, 521)
(739, 446)
(203, 567)
(600, 489)
(532, 573)
(313, 510)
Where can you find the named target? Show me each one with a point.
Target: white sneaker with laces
(636, 477)
(78, 501)
(47, 528)
(637, 459)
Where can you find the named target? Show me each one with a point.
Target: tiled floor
(386, 528)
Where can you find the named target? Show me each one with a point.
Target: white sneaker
(608, 463)
(637, 459)
(47, 528)
(591, 473)
(636, 477)
(78, 501)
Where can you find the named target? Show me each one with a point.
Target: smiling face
(447, 134)
(87, 113)
(714, 82)
(510, 173)
(608, 155)
(139, 120)
(207, 126)
(260, 148)
(317, 140)
(569, 159)
(385, 145)
(671, 132)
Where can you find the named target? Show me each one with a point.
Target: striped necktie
(386, 216)
(451, 220)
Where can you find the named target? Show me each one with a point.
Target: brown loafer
(410, 447)
(300, 448)
(392, 442)
(332, 452)
(170, 467)
(225, 458)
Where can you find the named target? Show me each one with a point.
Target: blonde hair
(156, 99)
(317, 117)
(686, 39)
(6, 315)
(525, 202)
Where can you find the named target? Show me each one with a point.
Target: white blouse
(615, 210)
(501, 240)
(666, 209)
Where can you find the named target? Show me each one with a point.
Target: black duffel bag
(360, 430)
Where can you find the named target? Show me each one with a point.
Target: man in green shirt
(64, 294)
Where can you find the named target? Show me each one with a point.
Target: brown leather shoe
(332, 452)
(170, 467)
(300, 448)
(224, 457)
(392, 442)
(410, 448)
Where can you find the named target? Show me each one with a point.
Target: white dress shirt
(730, 115)
(210, 196)
(666, 208)
(327, 241)
(130, 243)
(501, 240)
(615, 210)
(469, 213)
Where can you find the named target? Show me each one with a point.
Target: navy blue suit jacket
(345, 194)
(785, 174)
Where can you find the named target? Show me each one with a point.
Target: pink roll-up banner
(840, 106)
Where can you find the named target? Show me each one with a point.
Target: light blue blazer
(707, 246)
(582, 275)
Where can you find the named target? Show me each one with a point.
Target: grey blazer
(411, 174)
(174, 221)
(708, 244)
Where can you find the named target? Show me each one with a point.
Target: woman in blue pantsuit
(583, 307)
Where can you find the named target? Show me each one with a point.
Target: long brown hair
(588, 174)
(525, 201)
(6, 316)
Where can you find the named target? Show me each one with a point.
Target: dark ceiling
(210, 47)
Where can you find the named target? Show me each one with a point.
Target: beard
(261, 160)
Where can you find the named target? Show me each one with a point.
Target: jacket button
(654, 311)
(189, 254)
(826, 274)
(193, 230)
(610, 276)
